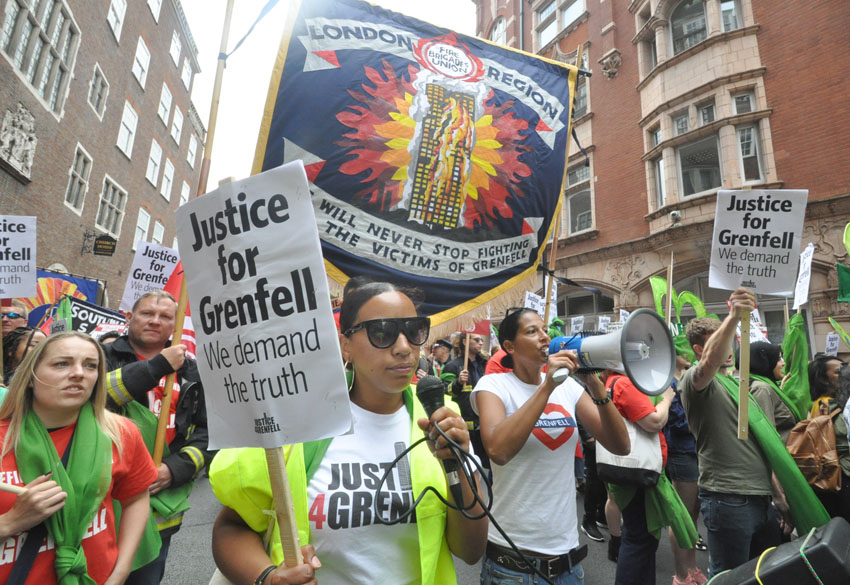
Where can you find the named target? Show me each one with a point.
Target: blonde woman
(72, 458)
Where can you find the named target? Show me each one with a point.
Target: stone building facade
(688, 97)
(99, 135)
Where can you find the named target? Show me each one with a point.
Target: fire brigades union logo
(447, 56)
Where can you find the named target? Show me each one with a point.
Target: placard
(17, 256)
(604, 321)
(151, 269)
(804, 276)
(577, 324)
(832, 340)
(756, 240)
(268, 350)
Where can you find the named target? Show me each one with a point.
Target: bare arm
(503, 436)
(604, 421)
(467, 538)
(655, 421)
(239, 554)
(718, 348)
(134, 517)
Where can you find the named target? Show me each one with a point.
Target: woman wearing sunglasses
(528, 427)
(334, 483)
(73, 459)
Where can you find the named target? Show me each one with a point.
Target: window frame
(192, 150)
(155, 13)
(736, 5)
(77, 179)
(589, 212)
(145, 230)
(142, 75)
(132, 133)
(659, 177)
(186, 69)
(97, 72)
(751, 98)
(116, 215)
(185, 192)
(499, 31)
(118, 25)
(567, 7)
(175, 42)
(165, 190)
(703, 33)
(165, 91)
(676, 118)
(177, 128)
(755, 139)
(153, 166)
(158, 226)
(702, 108)
(681, 174)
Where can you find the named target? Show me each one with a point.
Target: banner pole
(547, 286)
(165, 409)
(670, 291)
(744, 388)
(284, 509)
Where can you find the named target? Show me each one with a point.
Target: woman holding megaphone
(528, 427)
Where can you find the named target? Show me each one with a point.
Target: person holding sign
(528, 426)
(68, 459)
(336, 483)
(138, 363)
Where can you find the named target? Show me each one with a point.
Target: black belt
(550, 566)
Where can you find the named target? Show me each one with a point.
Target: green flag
(847, 237)
(843, 283)
(795, 350)
(840, 330)
(63, 311)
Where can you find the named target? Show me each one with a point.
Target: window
(572, 12)
(143, 222)
(158, 233)
(186, 74)
(164, 104)
(699, 166)
(749, 151)
(177, 125)
(141, 62)
(744, 102)
(154, 160)
(687, 25)
(110, 213)
(706, 113)
(155, 6)
(580, 107)
(660, 187)
(653, 52)
(167, 179)
(546, 12)
(578, 175)
(127, 132)
(655, 136)
(174, 51)
(680, 124)
(41, 39)
(184, 192)
(192, 151)
(498, 34)
(78, 183)
(547, 34)
(580, 214)
(115, 16)
(729, 11)
(98, 91)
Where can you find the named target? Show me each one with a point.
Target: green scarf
(795, 349)
(806, 509)
(788, 402)
(174, 500)
(664, 507)
(86, 481)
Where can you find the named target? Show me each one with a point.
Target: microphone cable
(463, 457)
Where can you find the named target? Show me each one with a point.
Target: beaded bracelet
(603, 401)
(268, 571)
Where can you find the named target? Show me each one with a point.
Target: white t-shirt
(352, 545)
(534, 495)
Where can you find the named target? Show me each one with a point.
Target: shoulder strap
(35, 536)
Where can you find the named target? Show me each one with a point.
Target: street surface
(190, 559)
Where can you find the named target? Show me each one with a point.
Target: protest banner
(804, 276)
(152, 266)
(604, 322)
(577, 324)
(832, 340)
(756, 237)
(52, 286)
(17, 256)
(624, 314)
(87, 316)
(267, 346)
(436, 159)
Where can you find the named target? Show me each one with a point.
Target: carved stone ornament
(625, 274)
(18, 141)
(611, 63)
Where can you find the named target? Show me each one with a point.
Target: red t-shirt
(494, 364)
(155, 396)
(132, 473)
(634, 405)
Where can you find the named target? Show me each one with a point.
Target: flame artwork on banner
(436, 159)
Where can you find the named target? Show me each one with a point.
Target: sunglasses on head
(13, 315)
(383, 333)
(511, 310)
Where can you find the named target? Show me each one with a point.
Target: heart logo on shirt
(555, 426)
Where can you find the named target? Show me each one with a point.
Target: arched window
(687, 24)
(498, 34)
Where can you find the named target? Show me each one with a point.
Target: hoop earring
(351, 379)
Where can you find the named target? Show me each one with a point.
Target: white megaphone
(643, 350)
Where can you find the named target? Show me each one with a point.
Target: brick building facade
(99, 135)
(688, 97)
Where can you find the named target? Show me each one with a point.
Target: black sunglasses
(383, 333)
(13, 315)
(511, 310)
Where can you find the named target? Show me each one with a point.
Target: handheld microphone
(430, 391)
